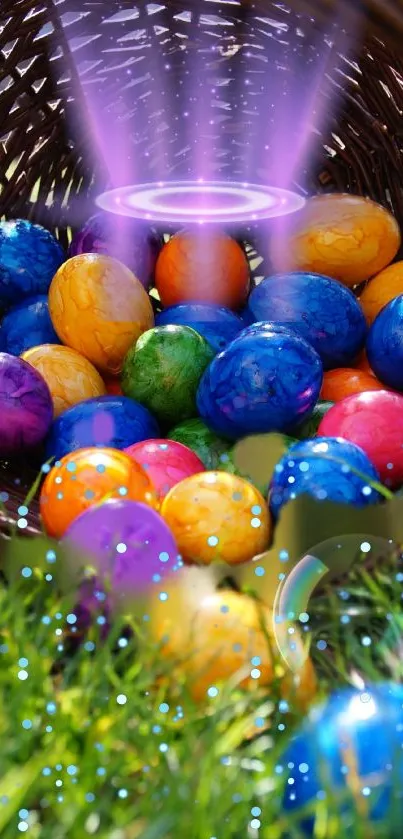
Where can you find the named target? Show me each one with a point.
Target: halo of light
(200, 202)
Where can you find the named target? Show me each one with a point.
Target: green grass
(83, 764)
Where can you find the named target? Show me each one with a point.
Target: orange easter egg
(98, 308)
(363, 364)
(216, 516)
(205, 267)
(381, 290)
(87, 477)
(70, 377)
(343, 382)
(225, 637)
(345, 237)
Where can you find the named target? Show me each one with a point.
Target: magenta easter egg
(166, 462)
(26, 407)
(126, 543)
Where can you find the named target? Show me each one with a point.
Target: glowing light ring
(200, 202)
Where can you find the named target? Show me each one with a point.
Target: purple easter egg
(127, 543)
(132, 243)
(26, 408)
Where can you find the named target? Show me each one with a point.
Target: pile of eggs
(135, 415)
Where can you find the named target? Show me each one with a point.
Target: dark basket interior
(93, 93)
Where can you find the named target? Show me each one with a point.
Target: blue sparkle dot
(163, 747)
(51, 708)
(123, 642)
(27, 724)
(50, 556)
(46, 771)
(156, 729)
(23, 510)
(259, 722)
(90, 797)
(212, 692)
(72, 769)
(256, 660)
(164, 708)
(164, 556)
(259, 571)
(26, 572)
(48, 729)
(89, 646)
(46, 620)
(89, 494)
(101, 770)
(256, 510)
(123, 793)
(72, 619)
(71, 467)
(101, 620)
(23, 814)
(321, 645)
(256, 811)
(23, 662)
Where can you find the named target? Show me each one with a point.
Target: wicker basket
(75, 71)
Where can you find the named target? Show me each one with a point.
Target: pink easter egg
(166, 462)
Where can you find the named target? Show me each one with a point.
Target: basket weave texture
(85, 84)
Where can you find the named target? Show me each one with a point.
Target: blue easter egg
(112, 421)
(29, 259)
(350, 751)
(27, 325)
(269, 381)
(216, 324)
(385, 344)
(323, 468)
(319, 309)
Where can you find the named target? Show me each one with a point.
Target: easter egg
(27, 325)
(381, 290)
(124, 239)
(374, 422)
(362, 363)
(70, 377)
(345, 381)
(112, 421)
(385, 344)
(29, 259)
(203, 267)
(345, 237)
(216, 324)
(219, 635)
(113, 386)
(163, 370)
(327, 469)
(99, 309)
(215, 516)
(84, 479)
(264, 382)
(319, 309)
(196, 435)
(310, 427)
(166, 463)
(26, 410)
(350, 749)
(127, 544)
